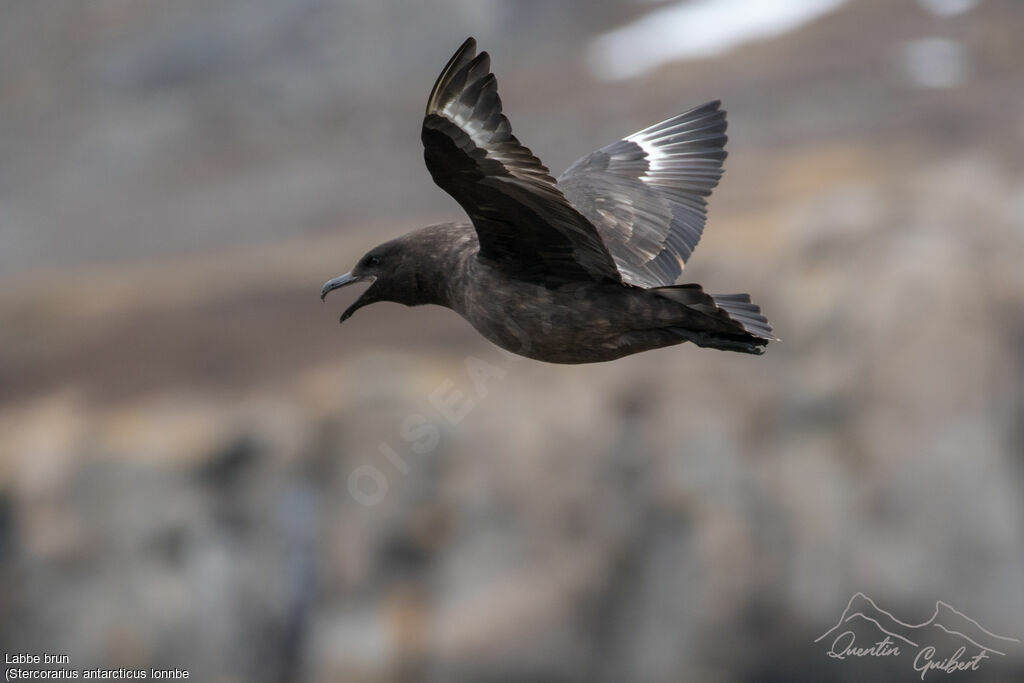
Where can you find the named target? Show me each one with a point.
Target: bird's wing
(646, 193)
(523, 221)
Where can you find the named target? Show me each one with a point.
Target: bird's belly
(560, 327)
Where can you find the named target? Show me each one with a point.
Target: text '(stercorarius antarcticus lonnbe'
(577, 270)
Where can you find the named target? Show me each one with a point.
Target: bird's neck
(446, 257)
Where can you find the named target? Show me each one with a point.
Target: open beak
(341, 281)
(337, 283)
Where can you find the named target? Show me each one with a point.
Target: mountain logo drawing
(949, 641)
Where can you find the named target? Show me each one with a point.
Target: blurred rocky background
(200, 469)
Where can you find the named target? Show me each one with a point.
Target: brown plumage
(577, 270)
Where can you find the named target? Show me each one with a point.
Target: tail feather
(745, 330)
(748, 314)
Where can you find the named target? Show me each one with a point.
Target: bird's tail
(740, 309)
(742, 326)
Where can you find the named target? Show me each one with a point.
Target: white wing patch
(677, 151)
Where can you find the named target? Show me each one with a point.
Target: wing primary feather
(523, 221)
(646, 193)
(461, 56)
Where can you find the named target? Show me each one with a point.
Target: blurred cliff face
(199, 469)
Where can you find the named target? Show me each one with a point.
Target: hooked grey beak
(341, 281)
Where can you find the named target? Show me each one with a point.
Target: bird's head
(392, 272)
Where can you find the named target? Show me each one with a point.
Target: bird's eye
(373, 260)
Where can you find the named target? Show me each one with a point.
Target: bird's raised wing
(645, 194)
(522, 219)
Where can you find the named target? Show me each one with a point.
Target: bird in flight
(580, 269)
